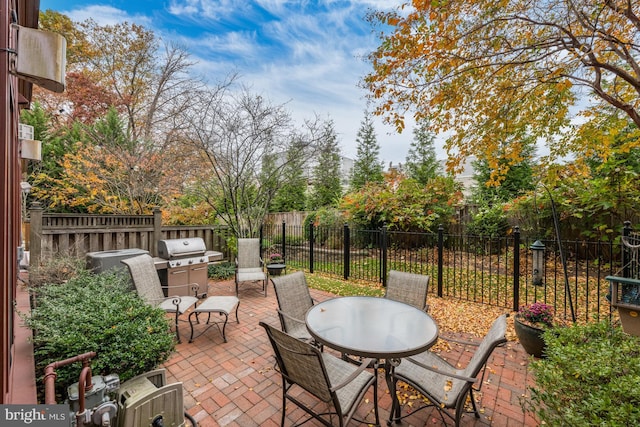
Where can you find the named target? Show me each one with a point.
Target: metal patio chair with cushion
(409, 288)
(294, 300)
(147, 283)
(340, 384)
(249, 264)
(443, 384)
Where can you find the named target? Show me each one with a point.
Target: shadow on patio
(235, 384)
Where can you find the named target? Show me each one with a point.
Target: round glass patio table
(371, 327)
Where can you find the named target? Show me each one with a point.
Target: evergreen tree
(421, 163)
(327, 188)
(517, 181)
(367, 167)
(291, 195)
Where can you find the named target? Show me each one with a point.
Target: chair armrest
(458, 341)
(175, 300)
(365, 364)
(193, 287)
(443, 373)
(283, 314)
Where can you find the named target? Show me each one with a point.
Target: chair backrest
(249, 253)
(294, 299)
(409, 288)
(494, 338)
(300, 363)
(145, 278)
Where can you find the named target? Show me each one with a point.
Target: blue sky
(307, 54)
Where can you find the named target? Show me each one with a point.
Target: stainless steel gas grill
(182, 262)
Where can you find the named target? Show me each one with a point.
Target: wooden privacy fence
(57, 234)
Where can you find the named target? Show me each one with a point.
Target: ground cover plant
(591, 376)
(97, 312)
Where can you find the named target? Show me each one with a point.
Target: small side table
(276, 269)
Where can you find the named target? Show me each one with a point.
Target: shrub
(58, 269)
(591, 376)
(489, 222)
(97, 313)
(223, 270)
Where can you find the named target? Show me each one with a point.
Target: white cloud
(106, 15)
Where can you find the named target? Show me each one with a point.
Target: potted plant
(530, 323)
(275, 264)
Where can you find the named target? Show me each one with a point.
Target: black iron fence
(494, 271)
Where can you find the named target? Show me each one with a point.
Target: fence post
(260, 236)
(626, 231)
(383, 264)
(347, 246)
(284, 237)
(516, 268)
(311, 242)
(157, 231)
(440, 257)
(35, 235)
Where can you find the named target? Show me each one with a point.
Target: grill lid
(181, 248)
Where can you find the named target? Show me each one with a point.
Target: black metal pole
(626, 231)
(347, 245)
(440, 258)
(311, 247)
(556, 224)
(516, 268)
(383, 265)
(284, 239)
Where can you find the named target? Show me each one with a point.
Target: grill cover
(181, 248)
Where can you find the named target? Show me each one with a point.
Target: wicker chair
(409, 288)
(249, 264)
(443, 384)
(294, 300)
(145, 279)
(326, 377)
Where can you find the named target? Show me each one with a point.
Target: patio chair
(443, 384)
(147, 283)
(324, 376)
(294, 300)
(409, 288)
(249, 264)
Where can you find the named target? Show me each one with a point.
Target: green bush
(97, 313)
(591, 376)
(223, 270)
(489, 222)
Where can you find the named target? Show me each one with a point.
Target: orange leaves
(489, 75)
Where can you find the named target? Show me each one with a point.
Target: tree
(421, 164)
(367, 167)
(484, 70)
(291, 195)
(327, 188)
(238, 134)
(403, 204)
(518, 179)
(110, 173)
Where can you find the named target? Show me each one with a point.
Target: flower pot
(275, 269)
(530, 337)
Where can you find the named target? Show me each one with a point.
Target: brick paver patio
(234, 383)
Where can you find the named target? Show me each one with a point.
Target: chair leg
(176, 323)
(284, 401)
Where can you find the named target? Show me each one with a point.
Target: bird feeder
(537, 249)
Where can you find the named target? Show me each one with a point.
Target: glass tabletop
(371, 327)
